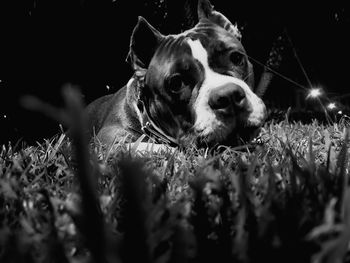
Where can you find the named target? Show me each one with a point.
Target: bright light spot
(314, 93)
(340, 112)
(331, 106)
(5, 116)
(336, 17)
(107, 87)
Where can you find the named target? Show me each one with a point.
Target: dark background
(47, 43)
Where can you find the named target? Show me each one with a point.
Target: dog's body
(195, 86)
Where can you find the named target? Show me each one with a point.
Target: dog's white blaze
(206, 121)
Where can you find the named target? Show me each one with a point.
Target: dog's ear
(143, 43)
(206, 11)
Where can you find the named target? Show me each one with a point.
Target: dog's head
(198, 84)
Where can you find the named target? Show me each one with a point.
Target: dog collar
(150, 129)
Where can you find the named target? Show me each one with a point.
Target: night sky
(47, 43)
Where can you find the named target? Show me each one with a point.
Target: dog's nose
(227, 96)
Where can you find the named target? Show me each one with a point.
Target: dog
(193, 87)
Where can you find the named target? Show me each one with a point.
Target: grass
(286, 200)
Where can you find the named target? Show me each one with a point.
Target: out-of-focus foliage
(287, 200)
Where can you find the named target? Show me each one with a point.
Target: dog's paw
(149, 147)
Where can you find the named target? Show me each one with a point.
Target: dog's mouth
(238, 137)
(247, 135)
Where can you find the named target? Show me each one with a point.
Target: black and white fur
(196, 86)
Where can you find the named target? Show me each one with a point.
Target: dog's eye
(175, 83)
(237, 58)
